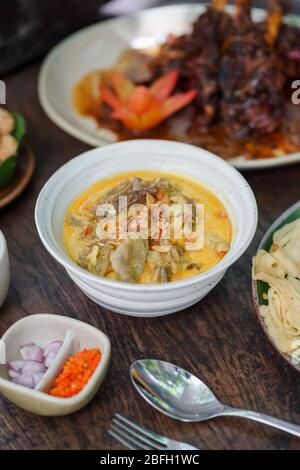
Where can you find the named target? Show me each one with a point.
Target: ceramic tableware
(140, 299)
(4, 269)
(259, 287)
(42, 329)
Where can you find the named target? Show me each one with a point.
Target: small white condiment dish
(42, 329)
(156, 155)
(4, 269)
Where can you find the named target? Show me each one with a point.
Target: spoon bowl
(181, 395)
(174, 391)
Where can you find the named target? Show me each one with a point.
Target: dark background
(29, 28)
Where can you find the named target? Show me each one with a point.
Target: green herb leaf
(7, 169)
(20, 127)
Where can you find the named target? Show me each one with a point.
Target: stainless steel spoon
(180, 395)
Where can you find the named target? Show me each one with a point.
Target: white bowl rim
(216, 269)
(2, 244)
(59, 401)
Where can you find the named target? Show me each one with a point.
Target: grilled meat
(288, 45)
(252, 78)
(197, 55)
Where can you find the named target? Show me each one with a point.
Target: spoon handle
(265, 419)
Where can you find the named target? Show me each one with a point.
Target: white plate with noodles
(276, 284)
(99, 47)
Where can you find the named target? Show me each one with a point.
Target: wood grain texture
(219, 339)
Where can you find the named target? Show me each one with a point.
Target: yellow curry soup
(151, 260)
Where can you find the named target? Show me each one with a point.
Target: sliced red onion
(16, 365)
(50, 358)
(25, 379)
(54, 346)
(35, 361)
(31, 352)
(37, 377)
(33, 366)
(13, 374)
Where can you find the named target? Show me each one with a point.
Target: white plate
(99, 46)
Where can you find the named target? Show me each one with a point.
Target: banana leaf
(7, 168)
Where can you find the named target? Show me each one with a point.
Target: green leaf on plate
(263, 287)
(20, 127)
(7, 169)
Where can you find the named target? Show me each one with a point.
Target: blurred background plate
(99, 46)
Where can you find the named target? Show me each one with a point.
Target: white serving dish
(289, 215)
(42, 329)
(4, 269)
(137, 299)
(99, 46)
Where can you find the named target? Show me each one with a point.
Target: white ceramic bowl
(42, 329)
(83, 171)
(4, 269)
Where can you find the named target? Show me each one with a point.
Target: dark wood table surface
(219, 339)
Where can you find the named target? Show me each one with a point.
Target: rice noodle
(280, 269)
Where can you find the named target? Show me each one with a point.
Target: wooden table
(219, 339)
